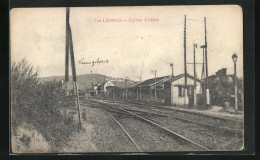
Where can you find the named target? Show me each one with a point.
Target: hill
(88, 80)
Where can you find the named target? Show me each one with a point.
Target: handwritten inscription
(82, 61)
(119, 20)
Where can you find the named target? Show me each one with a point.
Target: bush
(37, 103)
(24, 84)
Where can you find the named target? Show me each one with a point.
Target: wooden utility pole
(203, 75)
(126, 88)
(113, 92)
(185, 68)
(206, 57)
(155, 96)
(195, 76)
(154, 71)
(69, 50)
(151, 92)
(140, 94)
(67, 46)
(172, 68)
(137, 96)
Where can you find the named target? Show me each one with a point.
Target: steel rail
(215, 117)
(192, 121)
(198, 132)
(166, 129)
(161, 127)
(132, 140)
(189, 120)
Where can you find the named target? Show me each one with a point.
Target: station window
(181, 91)
(190, 90)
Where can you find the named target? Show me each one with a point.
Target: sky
(132, 49)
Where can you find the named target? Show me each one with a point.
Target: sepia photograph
(126, 79)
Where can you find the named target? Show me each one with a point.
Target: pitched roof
(180, 76)
(151, 81)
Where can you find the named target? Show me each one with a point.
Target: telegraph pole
(195, 76)
(155, 87)
(206, 57)
(74, 76)
(185, 68)
(140, 94)
(140, 88)
(113, 92)
(67, 46)
(203, 74)
(114, 89)
(69, 50)
(172, 68)
(126, 88)
(154, 71)
(137, 96)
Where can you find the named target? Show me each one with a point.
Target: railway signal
(195, 77)
(206, 62)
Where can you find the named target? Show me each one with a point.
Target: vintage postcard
(126, 79)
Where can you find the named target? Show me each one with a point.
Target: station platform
(213, 111)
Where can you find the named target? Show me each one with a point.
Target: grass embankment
(35, 109)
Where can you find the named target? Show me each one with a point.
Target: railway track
(235, 131)
(128, 135)
(161, 108)
(218, 124)
(107, 108)
(207, 136)
(196, 130)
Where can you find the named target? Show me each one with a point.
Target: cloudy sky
(131, 48)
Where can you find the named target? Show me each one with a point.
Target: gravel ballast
(107, 136)
(202, 135)
(213, 138)
(150, 138)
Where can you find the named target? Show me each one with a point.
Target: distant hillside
(86, 80)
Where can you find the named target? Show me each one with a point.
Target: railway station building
(169, 89)
(174, 89)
